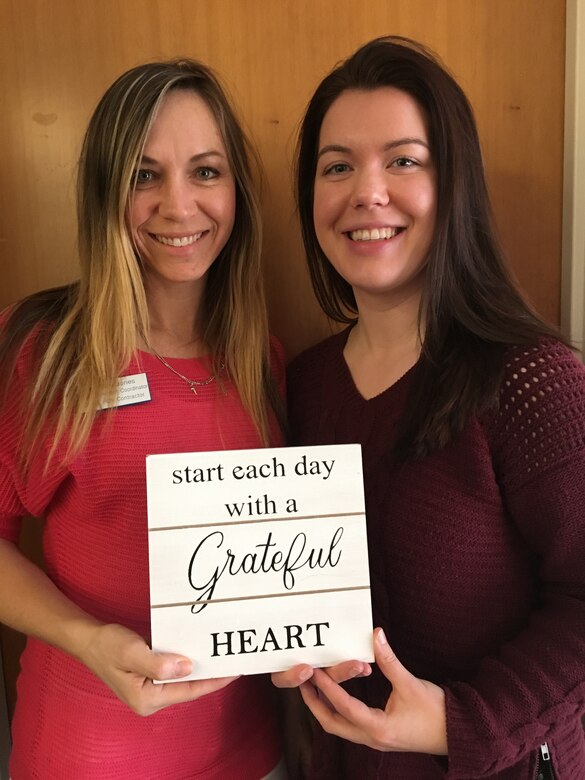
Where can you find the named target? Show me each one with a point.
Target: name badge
(132, 389)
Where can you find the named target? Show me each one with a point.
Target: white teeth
(373, 235)
(183, 241)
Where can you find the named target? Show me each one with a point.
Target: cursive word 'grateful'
(266, 558)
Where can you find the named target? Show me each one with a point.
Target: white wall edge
(573, 239)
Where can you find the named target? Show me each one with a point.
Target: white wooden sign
(258, 558)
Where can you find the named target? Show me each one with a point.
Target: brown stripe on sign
(259, 520)
(263, 596)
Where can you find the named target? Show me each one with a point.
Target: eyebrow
(387, 147)
(196, 157)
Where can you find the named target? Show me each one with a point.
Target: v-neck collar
(348, 380)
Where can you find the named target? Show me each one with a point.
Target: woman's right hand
(347, 670)
(31, 603)
(125, 663)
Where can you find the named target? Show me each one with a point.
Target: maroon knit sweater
(477, 564)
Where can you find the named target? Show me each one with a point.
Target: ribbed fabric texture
(477, 564)
(68, 725)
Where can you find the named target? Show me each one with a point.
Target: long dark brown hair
(470, 306)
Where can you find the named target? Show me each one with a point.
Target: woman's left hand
(414, 718)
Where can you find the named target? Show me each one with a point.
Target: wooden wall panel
(57, 58)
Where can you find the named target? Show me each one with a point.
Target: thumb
(168, 666)
(387, 661)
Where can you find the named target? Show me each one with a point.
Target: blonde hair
(95, 332)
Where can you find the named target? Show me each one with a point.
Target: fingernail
(305, 674)
(382, 637)
(182, 668)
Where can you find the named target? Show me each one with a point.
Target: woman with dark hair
(471, 415)
(169, 301)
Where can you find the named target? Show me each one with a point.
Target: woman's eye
(336, 169)
(143, 176)
(206, 174)
(404, 162)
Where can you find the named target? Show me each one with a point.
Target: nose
(370, 189)
(177, 200)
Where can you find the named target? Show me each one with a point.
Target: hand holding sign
(347, 670)
(125, 663)
(258, 558)
(414, 718)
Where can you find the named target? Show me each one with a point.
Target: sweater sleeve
(535, 682)
(22, 491)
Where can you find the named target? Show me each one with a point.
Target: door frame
(573, 238)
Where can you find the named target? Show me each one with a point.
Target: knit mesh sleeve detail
(541, 417)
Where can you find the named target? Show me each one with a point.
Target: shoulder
(546, 352)
(26, 327)
(542, 377)
(314, 379)
(540, 419)
(314, 360)
(20, 350)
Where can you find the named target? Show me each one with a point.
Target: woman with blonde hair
(169, 302)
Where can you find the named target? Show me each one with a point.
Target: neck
(388, 327)
(384, 344)
(174, 320)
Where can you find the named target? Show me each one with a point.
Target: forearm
(32, 604)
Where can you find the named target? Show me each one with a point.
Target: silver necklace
(192, 383)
